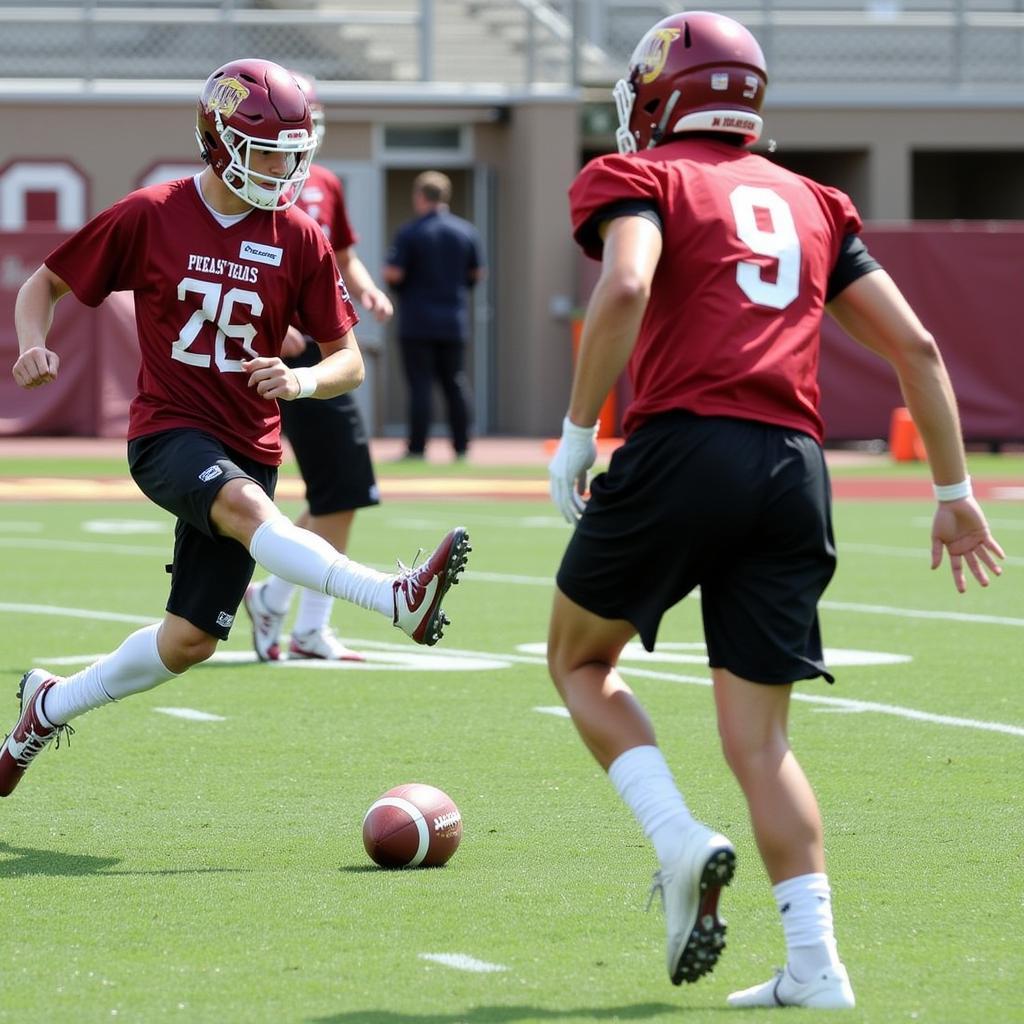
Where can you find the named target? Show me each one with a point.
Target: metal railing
(938, 44)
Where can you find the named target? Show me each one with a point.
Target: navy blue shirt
(439, 253)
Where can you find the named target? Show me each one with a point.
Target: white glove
(575, 454)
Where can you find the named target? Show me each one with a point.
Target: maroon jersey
(323, 198)
(732, 325)
(207, 297)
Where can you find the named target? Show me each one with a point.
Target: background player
(220, 265)
(328, 439)
(716, 268)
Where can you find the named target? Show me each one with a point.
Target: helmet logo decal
(226, 97)
(654, 53)
(720, 81)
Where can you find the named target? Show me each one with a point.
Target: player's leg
(638, 517)
(449, 364)
(208, 577)
(761, 626)
(416, 362)
(752, 720)
(332, 450)
(411, 599)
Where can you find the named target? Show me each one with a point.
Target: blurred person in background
(329, 439)
(220, 265)
(717, 266)
(433, 264)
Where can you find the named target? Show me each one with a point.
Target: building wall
(895, 163)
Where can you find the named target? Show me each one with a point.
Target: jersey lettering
(215, 311)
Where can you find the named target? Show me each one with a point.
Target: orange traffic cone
(904, 441)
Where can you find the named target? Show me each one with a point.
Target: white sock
(314, 612)
(277, 594)
(643, 780)
(135, 666)
(303, 558)
(805, 903)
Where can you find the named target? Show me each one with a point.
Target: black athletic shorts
(331, 447)
(739, 508)
(183, 471)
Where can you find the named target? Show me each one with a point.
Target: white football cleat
(689, 894)
(266, 625)
(829, 989)
(323, 644)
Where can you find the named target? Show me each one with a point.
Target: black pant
(427, 359)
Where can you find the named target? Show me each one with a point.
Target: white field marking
(484, 577)
(191, 714)
(123, 526)
(414, 660)
(408, 660)
(838, 711)
(558, 712)
(919, 613)
(12, 526)
(533, 522)
(922, 554)
(84, 547)
(525, 659)
(664, 654)
(1008, 493)
(463, 962)
(995, 524)
(76, 613)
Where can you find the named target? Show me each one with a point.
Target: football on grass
(412, 826)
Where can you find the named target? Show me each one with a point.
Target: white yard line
(463, 962)
(191, 714)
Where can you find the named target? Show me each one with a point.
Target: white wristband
(953, 492)
(570, 429)
(307, 380)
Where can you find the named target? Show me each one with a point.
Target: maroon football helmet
(307, 83)
(255, 104)
(695, 71)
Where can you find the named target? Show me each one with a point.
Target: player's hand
(960, 528)
(567, 470)
(35, 367)
(376, 302)
(294, 344)
(271, 378)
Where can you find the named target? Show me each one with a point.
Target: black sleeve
(589, 236)
(853, 261)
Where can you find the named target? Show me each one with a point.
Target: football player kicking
(717, 266)
(220, 266)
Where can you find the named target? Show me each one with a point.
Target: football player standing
(328, 438)
(220, 265)
(717, 266)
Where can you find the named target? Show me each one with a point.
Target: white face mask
(262, 190)
(624, 98)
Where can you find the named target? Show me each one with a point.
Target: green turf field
(173, 869)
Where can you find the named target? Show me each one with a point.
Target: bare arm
(362, 286)
(632, 248)
(341, 370)
(33, 316)
(873, 311)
